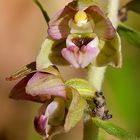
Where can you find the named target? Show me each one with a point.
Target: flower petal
(83, 54)
(19, 93)
(88, 53)
(58, 26)
(44, 84)
(103, 26)
(40, 124)
(71, 55)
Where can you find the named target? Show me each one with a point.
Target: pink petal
(89, 52)
(40, 124)
(103, 26)
(71, 55)
(44, 84)
(58, 26)
(81, 57)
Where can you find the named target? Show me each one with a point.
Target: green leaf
(75, 111)
(110, 53)
(114, 130)
(85, 89)
(129, 34)
(29, 68)
(42, 10)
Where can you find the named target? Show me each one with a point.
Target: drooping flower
(83, 30)
(60, 102)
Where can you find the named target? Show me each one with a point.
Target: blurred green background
(22, 29)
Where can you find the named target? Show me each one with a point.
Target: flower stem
(95, 74)
(45, 14)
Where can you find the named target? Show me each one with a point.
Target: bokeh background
(22, 30)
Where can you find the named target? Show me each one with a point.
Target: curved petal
(44, 84)
(103, 26)
(89, 53)
(40, 124)
(58, 27)
(71, 55)
(81, 50)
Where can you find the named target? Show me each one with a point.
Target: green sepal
(50, 54)
(75, 110)
(85, 3)
(85, 89)
(24, 71)
(110, 53)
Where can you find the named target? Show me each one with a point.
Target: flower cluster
(77, 35)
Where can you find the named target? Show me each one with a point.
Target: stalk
(96, 75)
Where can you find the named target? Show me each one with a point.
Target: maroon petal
(58, 26)
(103, 26)
(19, 93)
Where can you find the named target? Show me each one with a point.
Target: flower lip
(79, 42)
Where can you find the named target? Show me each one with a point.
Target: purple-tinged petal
(44, 84)
(88, 53)
(103, 26)
(58, 28)
(71, 55)
(40, 124)
(81, 51)
(19, 93)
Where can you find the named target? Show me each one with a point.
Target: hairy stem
(95, 74)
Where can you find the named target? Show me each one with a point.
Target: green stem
(95, 75)
(42, 10)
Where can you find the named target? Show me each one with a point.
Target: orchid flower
(58, 99)
(85, 31)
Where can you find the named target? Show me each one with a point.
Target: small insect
(100, 110)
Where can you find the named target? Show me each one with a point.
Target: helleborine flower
(89, 20)
(62, 104)
(82, 35)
